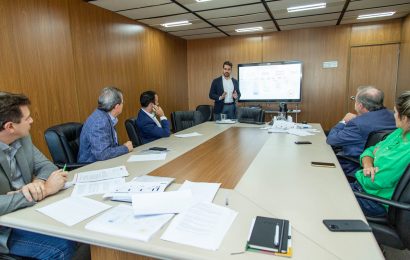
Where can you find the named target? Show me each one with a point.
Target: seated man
(26, 176)
(150, 128)
(384, 163)
(98, 139)
(352, 132)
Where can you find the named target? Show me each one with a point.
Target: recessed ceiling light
(306, 7)
(250, 29)
(199, 1)
(174, 24)
(368, 16)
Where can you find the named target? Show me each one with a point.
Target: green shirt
(391, 156)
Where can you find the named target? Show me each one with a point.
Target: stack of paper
(188, 135)
(99, 181)
(142, 184)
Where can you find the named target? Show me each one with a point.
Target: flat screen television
(270, 81)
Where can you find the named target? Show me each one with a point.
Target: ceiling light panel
(351, 16)
(153, 11)
(279, 8)
(115, 5)
(375, 15)
(233, 11)
(301, 8)
(268, 25)
(249, 18)
(168, 19)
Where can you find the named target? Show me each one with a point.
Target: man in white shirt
(225, 92)
(150, 128)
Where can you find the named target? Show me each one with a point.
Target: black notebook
(269, 234)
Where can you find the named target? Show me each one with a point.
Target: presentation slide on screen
(270, 82)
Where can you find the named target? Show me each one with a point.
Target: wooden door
(374, 65)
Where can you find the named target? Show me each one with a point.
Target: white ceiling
(220, 18)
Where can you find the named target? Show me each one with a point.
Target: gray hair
(109, 98)
(403, 108)
(370, 97)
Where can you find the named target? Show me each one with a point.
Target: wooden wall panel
(40, 62)
(205, 59)
(403, 77)
(62, 53)
(376, 33)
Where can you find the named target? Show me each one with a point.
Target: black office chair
(250, 115)
(372, 139)
(207, 112)
(185, 119)
(133, 131)
(63, 142)
(393, 230)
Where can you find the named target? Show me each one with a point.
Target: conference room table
(261, 174)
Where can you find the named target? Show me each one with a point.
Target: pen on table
(226, 201)
(65, 167)
(276, 240)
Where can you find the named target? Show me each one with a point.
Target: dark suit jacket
(217, 89)
(149, 131)
(32, 164)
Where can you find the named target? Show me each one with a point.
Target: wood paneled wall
(403, 78)
(323, 90)
(61, 53)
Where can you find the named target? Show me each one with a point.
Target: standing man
(149, 126)
(98, 139)
(352, 132)
(26, 177)
(225, 92)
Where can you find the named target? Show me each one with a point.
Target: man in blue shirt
(98, 139)
(149, 126)
(352, 132)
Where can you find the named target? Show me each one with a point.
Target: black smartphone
(303, 142)
(346, 225)
(323, 164)
(158, 149)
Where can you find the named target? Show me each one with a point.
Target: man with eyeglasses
(351, 133)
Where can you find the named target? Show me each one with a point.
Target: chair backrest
(63, 142)
(133, 131)
(377, 136)
(399, 218)
(185, 119)
(250, 114)
(207, 112)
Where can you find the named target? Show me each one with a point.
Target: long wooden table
(261, 174)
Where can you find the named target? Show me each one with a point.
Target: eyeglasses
(352, 98)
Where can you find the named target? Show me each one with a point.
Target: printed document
(203, 225)
(148, 157)
(193, 134)
(201, 191)
(73, 210)
(120, 221)
(103, 174)
(96, 187)
(162, 202)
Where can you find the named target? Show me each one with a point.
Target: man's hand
(348, 117)
(33, 191)
(235, 95)
(158, 111)
(55, 182)
(223, 95)
(128, 144)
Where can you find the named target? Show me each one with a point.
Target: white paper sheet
(120, 221)
(149, 178)
(300, 132)
(96, 187)
(201, 191)
(161, 203)
(193, 134)
(226, 121)
(73, 210)
(103, 174)
(203, 225)
(147, 157)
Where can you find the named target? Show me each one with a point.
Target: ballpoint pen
(65, 167)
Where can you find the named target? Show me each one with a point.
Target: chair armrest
(396, 204)
(347, 158)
